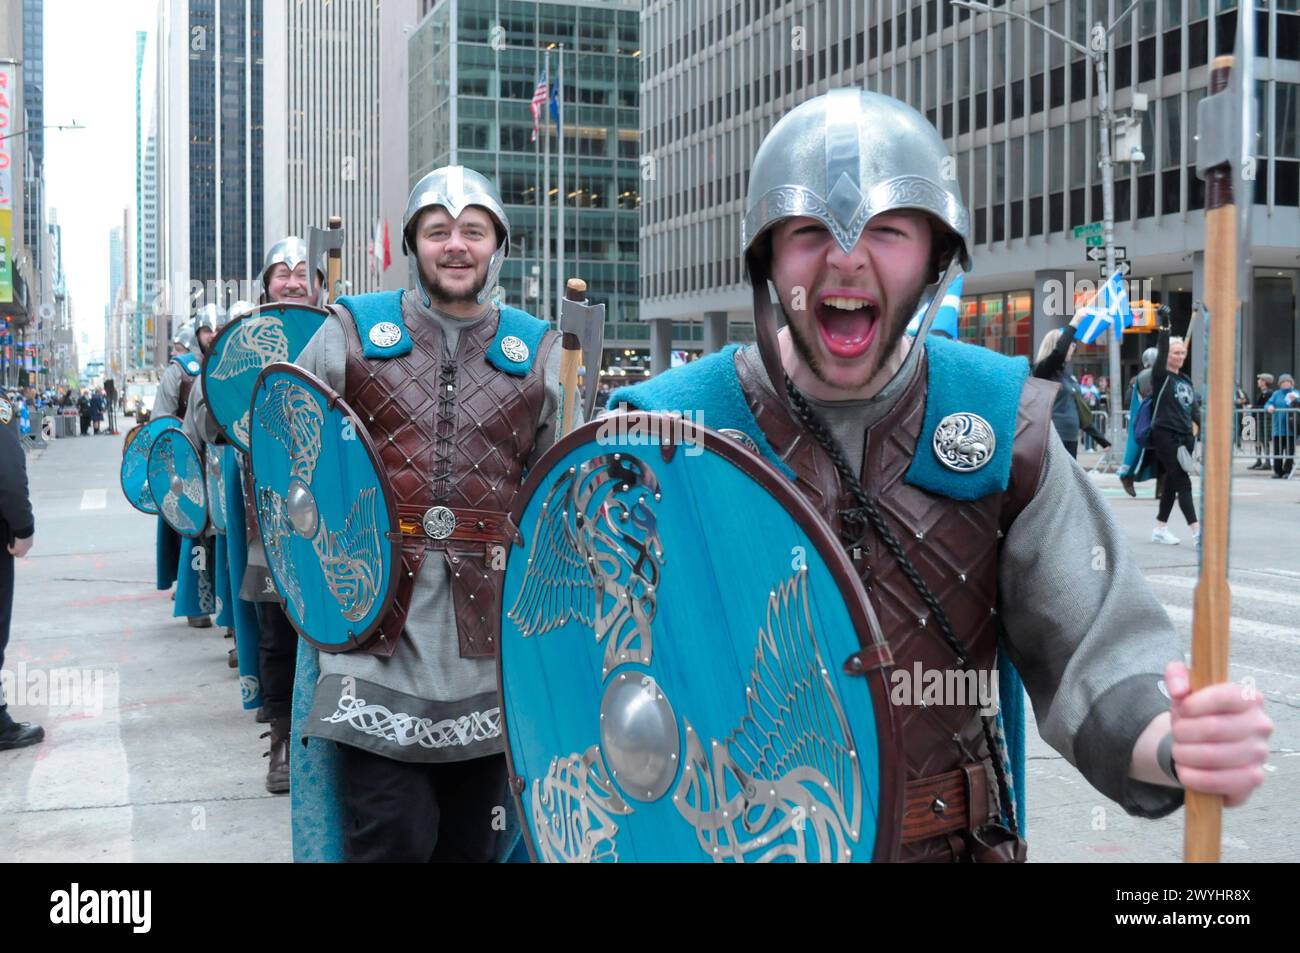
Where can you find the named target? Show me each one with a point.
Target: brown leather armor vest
(954, 546)
(453, 432)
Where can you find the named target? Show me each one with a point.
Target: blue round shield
(134, 472)
(263, 336)
(215, 477)
(178, 483)
(682, 660)
(327, 517)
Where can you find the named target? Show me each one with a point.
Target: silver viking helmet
(1149, 356)
(455, 188)
(843, 158)
(209, 316)
(290, 251)
(184, 337)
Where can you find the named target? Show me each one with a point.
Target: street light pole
(1097, 50)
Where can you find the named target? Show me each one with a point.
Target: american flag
(540, 95)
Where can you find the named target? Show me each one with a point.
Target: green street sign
(1093, 241)
(1092, 228)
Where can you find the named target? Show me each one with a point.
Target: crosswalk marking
(1239, 626)
(94, 499)
(1238, 591)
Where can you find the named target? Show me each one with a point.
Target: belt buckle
(439, 522)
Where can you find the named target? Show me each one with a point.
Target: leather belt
(472, 526)
(943, 803)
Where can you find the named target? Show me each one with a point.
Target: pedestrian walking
(1172, 435)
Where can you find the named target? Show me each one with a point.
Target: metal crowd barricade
(1257, 438)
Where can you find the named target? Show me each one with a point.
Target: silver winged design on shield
(792, 762)
(596, 558)
(257, 342)
(291, 415)
(351, 559)
(277, 531)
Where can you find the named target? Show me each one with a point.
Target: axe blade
(587, 322)
(320, 241)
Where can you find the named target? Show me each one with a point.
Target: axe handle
(570, 362)
(1212, 602)
(334, 266)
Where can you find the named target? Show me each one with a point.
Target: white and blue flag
(945, 321)
(1110, 301)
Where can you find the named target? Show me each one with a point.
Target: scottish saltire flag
(945, 321)
(1111, 300)
(540, 94)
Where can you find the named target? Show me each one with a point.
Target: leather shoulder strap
(1033, 430)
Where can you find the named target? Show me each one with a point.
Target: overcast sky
(90, 173)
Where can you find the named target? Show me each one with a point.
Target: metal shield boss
(325, 510)
(178, 482)
(134, 472)
(677, 629)
(263, 336)
(213, 457)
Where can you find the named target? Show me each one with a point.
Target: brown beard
(439, 292)
(887, 340)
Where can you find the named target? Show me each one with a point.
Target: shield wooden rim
(126, 446)
(207, 519)
(890, 819)
(259, 311)
(393, 538)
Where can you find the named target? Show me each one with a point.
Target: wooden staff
(1212, 604)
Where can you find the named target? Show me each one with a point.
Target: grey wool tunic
(425, 703)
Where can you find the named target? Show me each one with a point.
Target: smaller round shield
(327, 516)
(214, 456)
(273, 332)
(178, 483)
(134, 472)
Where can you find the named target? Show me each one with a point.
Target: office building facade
(474, 67)
(1018, 110)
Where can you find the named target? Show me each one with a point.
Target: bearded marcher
(173, 399)
(973, 552)
(460, 395)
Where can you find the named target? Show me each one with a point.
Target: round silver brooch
(514, 349)
(964, 442)
(385, 334)
(742, 438)
(439, 522)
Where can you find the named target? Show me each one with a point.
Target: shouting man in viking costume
(935, 463)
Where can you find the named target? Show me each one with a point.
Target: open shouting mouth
(847, 321)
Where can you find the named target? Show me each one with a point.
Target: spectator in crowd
(1284, 406)
(96, 410)
(1173, 419)
(83, 409)
(1263, 390)
(1051, 364)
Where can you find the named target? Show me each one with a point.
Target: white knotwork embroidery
(206, 596)
(248, 687)
(403, 729)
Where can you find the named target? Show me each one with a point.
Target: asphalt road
(151, 757)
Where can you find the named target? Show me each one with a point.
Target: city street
(155, 760)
